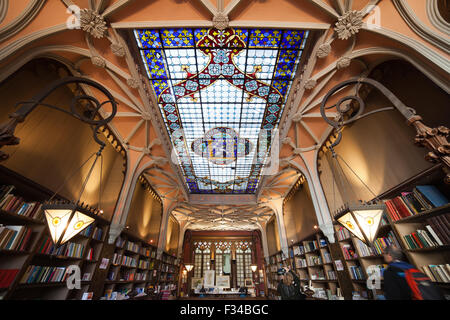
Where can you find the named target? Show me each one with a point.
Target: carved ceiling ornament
(349, 24)
(93, 23)
(324, 50)
(132, 83)
(98, 61)
(117, 50)
(343, 63)
(310, 84)
(220, 21)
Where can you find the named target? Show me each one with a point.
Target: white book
(434, 235)
(424, 235)
(438, 273)
(444, 272)
(428, 273)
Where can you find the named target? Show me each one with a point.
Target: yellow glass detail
(56, 221)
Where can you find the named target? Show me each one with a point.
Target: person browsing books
(403, 281)
(289, 286)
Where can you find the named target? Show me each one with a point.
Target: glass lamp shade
(189, 267)
(64, 221)
(254, 267)
(362, 220)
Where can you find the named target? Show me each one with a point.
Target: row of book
(315, 260)
(141, 276)
(68, 249)
(44, 274)
(15, 237)
(327, 257)
(127, 276)
(17, 205)
(132, 246)
(166, 268)
(440, 226)
(145, 251)
(124, 260)
(331, 275)
(348, 251)
(120, 242)
(422, 198)
(87, 231)
(322, 242)
(437, 273)
(356, 272)
(298, 250)
(343, 233)
(143, 264)
(98, 233)
(380, 244)
(7, 277)
(317, 274)
(311, 245)
(419, 239)
(168, 259)
(363, 249)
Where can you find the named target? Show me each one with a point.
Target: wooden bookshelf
(139, 274)
(420, 257)
(417, 257)
(167, 274)
(312, 258)
(36, 255)
(275, 262)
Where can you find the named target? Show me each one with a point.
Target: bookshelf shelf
(425, 214)
(15, 218)
(13, 252)
(430, 249)
(317, 262)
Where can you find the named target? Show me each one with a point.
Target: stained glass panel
(216, 90)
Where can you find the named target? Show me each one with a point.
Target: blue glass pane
(177, 37)
(292, 39)
(216, 91)
(264, 38)
(148, 38)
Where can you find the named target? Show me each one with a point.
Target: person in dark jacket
(395, 285)
(289, 286)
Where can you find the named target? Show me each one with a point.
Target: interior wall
(173, 233)
(53, 145)
(145, 214)
(273, 239)
(380, 148)
(299, 215)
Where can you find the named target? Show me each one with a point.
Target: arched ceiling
(353, 36)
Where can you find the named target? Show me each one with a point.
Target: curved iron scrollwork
(93, 117)
(434, 139)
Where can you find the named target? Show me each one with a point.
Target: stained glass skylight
(217, 90)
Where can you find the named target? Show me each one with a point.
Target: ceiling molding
(436, 18)
(413, 21)
(10, 49)
(209, 24)
(4, 6)
(20, 21)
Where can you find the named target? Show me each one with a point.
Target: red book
(401, 207)
(24, 245)
(417, 240)
(391, 210)
(8, 277)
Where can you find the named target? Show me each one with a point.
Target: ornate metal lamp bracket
(434, 139)
(7, 129)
